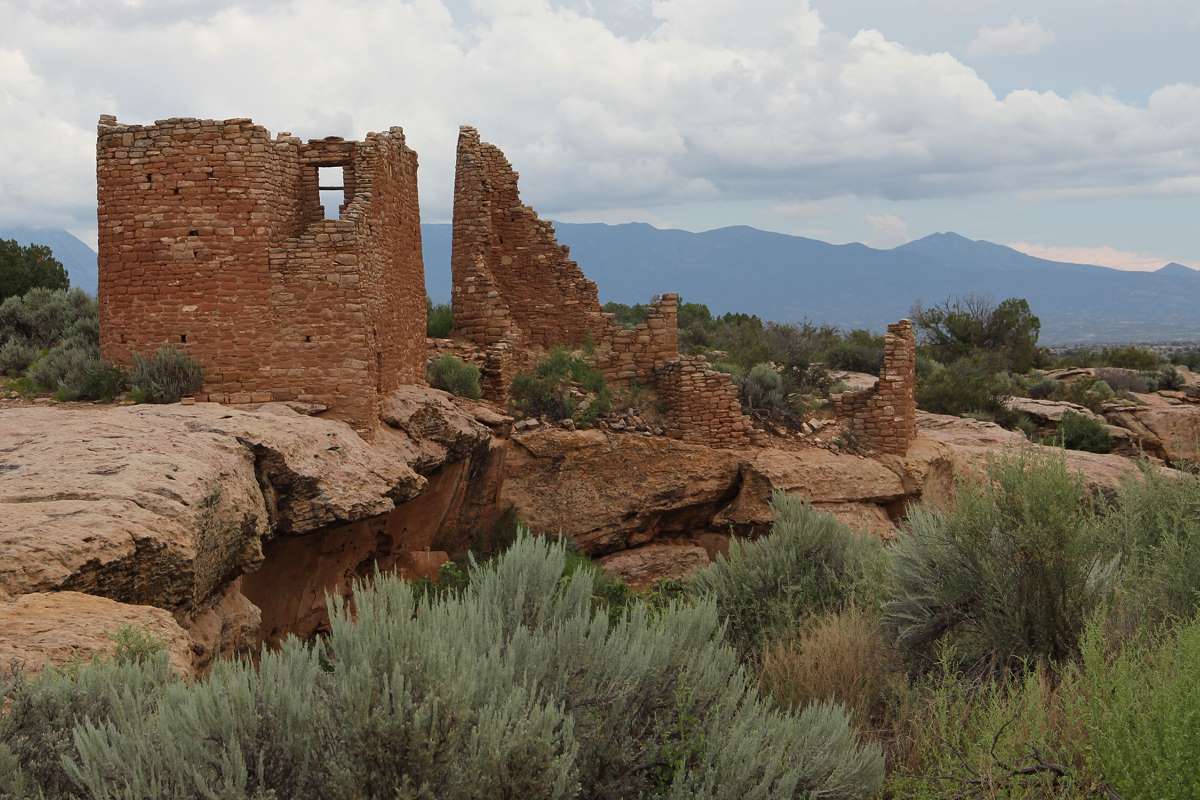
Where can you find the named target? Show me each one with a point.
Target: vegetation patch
(452, 374)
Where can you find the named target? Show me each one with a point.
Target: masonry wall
(702, 404)
(634, 354)
(212, 240)
(508, 269)
(883, 418)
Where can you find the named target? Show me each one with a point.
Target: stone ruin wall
(884, 417)
(702, 404)
(511, 277)
(516, 293)
(212, 239)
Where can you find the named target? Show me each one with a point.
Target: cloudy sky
(1068, 128)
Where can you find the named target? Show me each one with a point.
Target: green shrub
(1043, 389)
(809, 563)
(47, 317)
(549, 390)
(1008, 738)
(969, 385)
(1127, 380)
(514, 687)
(762, 388)
(1189, 358)
(15, 357)
(1090, 393)
(856, 356)
(1078, 432)
(455, 376)
(75, 371)
(165, 376)
(439, 319)
(1141, 712)
(1130, 357)
(1169, 378)
(1154, 526)
(40, 712)
(1008, 575)
(23, 267)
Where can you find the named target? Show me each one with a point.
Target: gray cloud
(685, 101)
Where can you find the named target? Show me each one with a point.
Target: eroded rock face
(56, 628)
(645, 566)
(611, 492)
(1170, 432)
(180, 507)
(967, 445)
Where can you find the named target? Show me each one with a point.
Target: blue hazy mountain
(791, 278)
(77, 257)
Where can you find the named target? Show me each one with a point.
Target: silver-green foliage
(514, 688)
(809, 563)
(37, 714)
(165, 376)
(1154, 526)
(1009, 574)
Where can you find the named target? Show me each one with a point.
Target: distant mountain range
(77, 257)
(791, 278)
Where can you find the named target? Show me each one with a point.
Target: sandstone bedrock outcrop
(219, 529)
(191, 509)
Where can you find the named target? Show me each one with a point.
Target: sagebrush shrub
(1078, 432)
(75, 371)
(762, 388)
(455, 376)
(1154, 526)
(46, 317)
(809, 563)
(165, 376)
(1127, 380)
(15, 357)
(514, 687)
(39, 713)
(1009, 574)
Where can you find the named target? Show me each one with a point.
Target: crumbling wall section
(508, 269)
(702, 405)
(884, 417)
(635, 354)
(213, 240)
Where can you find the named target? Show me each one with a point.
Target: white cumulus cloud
(1017, 37)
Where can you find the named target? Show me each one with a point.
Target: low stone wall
(633, 354)
(884, 418)
(702, 404)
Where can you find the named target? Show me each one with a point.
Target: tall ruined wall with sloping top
(516, 292)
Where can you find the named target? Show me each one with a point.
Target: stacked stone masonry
(884, 418)
(702, 405)
(213, 240)
(516, 292)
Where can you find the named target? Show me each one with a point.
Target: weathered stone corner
(884, 417)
